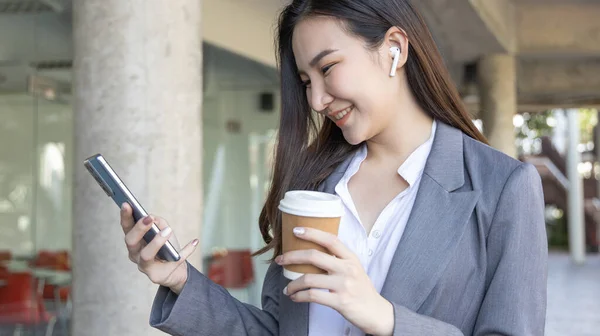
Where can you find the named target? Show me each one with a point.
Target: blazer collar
(444, 164)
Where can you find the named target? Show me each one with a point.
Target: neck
(401, 137)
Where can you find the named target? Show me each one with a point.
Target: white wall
(248, 29)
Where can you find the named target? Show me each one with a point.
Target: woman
(442, 235)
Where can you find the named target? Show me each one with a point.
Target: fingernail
(148, 220)
(195, 242)
(123, 207)
(299, 231)
(285, 290)
(165, 232)
(279, 259)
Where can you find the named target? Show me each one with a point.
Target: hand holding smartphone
(112, 185)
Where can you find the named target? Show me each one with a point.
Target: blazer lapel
(295, 320)
(435, 225)
(293, 316)
(334, 178)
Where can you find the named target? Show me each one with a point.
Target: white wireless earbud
(396, 55)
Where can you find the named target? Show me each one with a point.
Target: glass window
(240, 117)
(35, 161)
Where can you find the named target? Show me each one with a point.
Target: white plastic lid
(311, 204)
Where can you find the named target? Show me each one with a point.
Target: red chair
(5, 256)
(232, 269)
(20, 305)
(62, 261)
(56, 293)
(55, 260)
(42, 260)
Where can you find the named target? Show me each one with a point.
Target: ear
(395, 37)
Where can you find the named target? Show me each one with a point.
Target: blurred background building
(182, 98)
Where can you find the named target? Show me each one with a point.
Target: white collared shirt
(376, 250)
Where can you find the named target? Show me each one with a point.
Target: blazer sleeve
(517, 256)
(407, 322)
(205, 308)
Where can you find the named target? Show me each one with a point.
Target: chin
(353, 139)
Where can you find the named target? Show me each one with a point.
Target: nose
(319, 98)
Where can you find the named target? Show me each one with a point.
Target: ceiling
(44, 35)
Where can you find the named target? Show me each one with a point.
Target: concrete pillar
(597, 148)
(138, 99)
(575, 192)
(498, 100)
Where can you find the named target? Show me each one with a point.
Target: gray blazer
(472, 260)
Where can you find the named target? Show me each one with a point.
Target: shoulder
(507, 185)
(491, 169)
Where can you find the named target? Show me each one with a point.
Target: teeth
(343, 113)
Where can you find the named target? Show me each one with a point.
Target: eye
(325, 69)
(306, 83)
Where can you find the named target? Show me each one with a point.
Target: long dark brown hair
(309, 150)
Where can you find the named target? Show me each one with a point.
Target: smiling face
(345, 81)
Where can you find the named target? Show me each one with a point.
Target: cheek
(341, 85)
(350, 87)
(362, 86)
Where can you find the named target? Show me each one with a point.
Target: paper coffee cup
(312, 209)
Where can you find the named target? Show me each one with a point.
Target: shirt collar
(410, 170)
(413, 166)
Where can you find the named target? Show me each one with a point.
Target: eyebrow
(322, 54)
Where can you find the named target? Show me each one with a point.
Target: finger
(308, 281)
(160, 222)
(133, 239)
(325, 239)
(187, 251)
(127, 221)
(317, 258)
(158, 272)
(148, 253)
(319, 296)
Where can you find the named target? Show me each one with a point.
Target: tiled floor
(573, 296)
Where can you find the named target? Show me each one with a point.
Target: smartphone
(112, 185)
